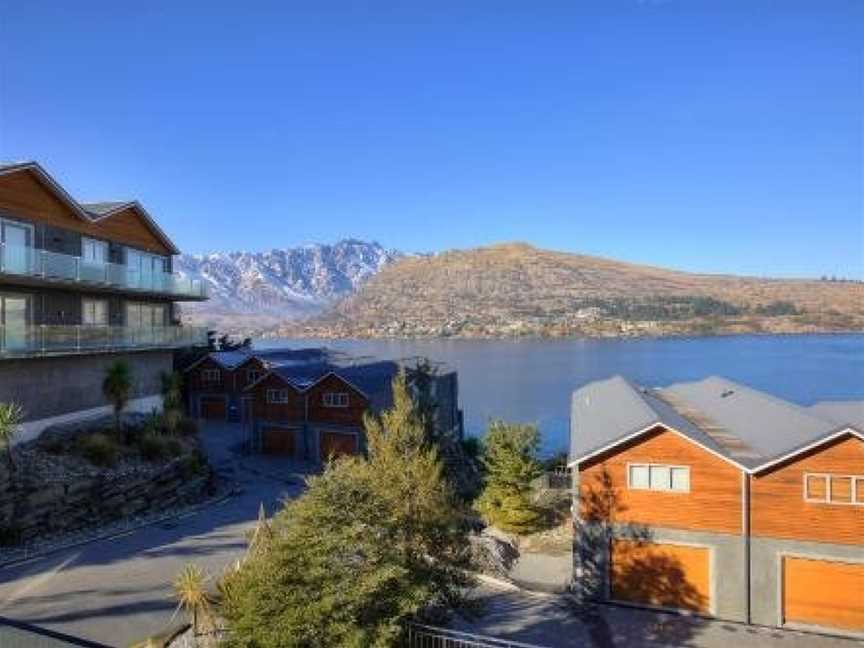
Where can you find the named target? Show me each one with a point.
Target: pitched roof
(743, 425)
(841, 412)
(89, 212)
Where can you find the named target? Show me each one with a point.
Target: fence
(423, 636)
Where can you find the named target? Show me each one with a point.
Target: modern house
(82, 285)
(717, 499)
(307, 403)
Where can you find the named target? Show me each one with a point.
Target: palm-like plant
(172, 401)
(190, 590)
(11, 415)
(117, 386)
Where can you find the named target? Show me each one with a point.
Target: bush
(99, 449)
(156, 448)
(188, 427)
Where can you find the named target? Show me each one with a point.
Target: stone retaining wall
(31, 507)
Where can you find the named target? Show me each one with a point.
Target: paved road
(550, 621)
(119, 591)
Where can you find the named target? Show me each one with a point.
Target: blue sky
(715, 136)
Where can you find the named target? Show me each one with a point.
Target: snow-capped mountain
(286, 283)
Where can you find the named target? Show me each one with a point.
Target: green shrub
(187, 427)
(99, 449)
(157, 448)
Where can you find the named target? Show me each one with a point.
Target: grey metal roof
(747, 426)
(373, 378)
(841, 412)
(102, 208)
(230, 359)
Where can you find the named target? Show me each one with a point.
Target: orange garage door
(336, 444)
(213, 408)
(664, 575)
(279, 441)
(823, 593)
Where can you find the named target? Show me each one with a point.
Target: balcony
(28, 264)
(30, 340)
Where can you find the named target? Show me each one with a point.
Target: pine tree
(510, 459)
(368, 545)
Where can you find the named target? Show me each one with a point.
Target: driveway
(551, 621)
(118, 591)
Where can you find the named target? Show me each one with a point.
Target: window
(335, 399)
(658, 477)
(252, 375)
(94, 312)
(94, 252)
(834, 489)
(145, 315)
(211, 375)
(277, 395)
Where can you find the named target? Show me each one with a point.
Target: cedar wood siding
(351, 415)
(240, 372)
(778, 508)
(196, 382)
(22, 194)
(293, 411)
(713, 503)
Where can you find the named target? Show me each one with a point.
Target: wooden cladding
(781, 506)
(713, 502)
(351, 414)
(22, 194)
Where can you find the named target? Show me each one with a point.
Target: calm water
(531, 380)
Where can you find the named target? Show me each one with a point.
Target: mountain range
(260, 289)
(360, 289)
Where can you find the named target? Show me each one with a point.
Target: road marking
(38, 581)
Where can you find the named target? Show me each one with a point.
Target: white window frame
(85, 301)
(671, 467)
(334, 399)
(277, 396)
(252, 375)
(211, 376)
(854, 500)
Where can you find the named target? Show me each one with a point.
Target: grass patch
(99, 449)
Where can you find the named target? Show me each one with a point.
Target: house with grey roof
(720, 500)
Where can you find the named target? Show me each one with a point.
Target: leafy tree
(369, 544)
(11, 416)
(172, 401)
(510, 459)
(117, 387)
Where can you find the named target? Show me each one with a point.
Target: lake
(531, 380)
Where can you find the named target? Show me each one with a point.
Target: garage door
(664, 575)
(279, 441)
(213, 408)
(337, 444)
(823, 593)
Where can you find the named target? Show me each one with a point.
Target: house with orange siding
(716, 499)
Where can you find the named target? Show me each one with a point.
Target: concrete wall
(766, 571)
(66, 386)
(727, 568)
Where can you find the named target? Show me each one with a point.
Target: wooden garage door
(213, 408)
(281, 441)
(823, 593)
(337, 444)
(664, 575)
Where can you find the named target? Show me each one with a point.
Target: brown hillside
(518, 289)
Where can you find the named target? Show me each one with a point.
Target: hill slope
(516, 289)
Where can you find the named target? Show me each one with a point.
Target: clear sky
(716, 136)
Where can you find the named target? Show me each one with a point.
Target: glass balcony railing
(28, 261)
(38, 340)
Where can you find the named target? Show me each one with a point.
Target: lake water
(531, 380)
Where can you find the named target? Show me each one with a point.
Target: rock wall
(31, 507)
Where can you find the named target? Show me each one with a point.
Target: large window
(145, 270)
(94, 312)
(658, 477)
(139, 315)
(94, 252)
(834, 489)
